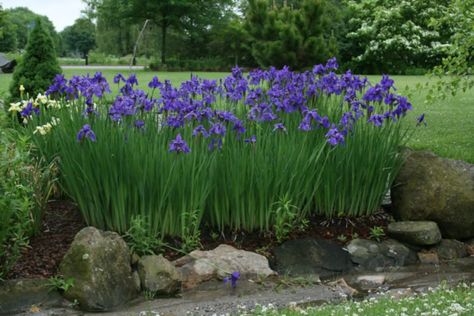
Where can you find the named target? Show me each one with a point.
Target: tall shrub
(38, 66)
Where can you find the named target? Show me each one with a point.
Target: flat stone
(341, 285)
(18, 296)
(371, 255)
(470, 247)
(311, 256)
(428, 257)
(200, 266)
(158, 275)
(375, 279)
(450, 249)
(419, 233)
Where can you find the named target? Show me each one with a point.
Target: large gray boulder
(437, 189)
(418, 233)
(158, 275)
(303, 257)
(200, 266)
(99, 263)
(372, 255)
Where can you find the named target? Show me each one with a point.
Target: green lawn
(442, 301)
(450, 130)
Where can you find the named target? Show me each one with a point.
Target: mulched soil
(62, 221)
(41, 259)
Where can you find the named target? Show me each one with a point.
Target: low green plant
(377, 233)
(140, 237)
(190, 232)
(287, 219)
(342, 238)
(58, 283)
(149, 295)
(20, 213)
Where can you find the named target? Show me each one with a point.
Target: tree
(179, 14)
(393, 35)
(115, 33)
(38, 66)
(283, 35)
(80, 37)
(24, 20)
(455, 72)
(8, 41)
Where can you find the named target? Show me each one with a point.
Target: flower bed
(246, 152)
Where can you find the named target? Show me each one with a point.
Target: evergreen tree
(38, 66)
(296, 36)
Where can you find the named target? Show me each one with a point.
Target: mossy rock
(430, 188)
(418, 233)
(99, 263)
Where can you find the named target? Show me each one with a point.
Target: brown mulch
(62, 221)
(41, 259)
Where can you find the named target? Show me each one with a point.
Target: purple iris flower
(86, 132)
(139, 124)
(279, 127)
(155, 83)
(232, 279)
(332, 64)
(118, 78)
(215, 143)
(386, 82)
(334, 137)
(217, 129)
(239, 127)
(319, 69)
(421, 120)
(200, 130)
(179, 145)
(29, 109)
(251, 140)
(376, 119)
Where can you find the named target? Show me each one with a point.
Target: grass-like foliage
(226, 152)
(25, 185)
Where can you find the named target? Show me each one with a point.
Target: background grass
(450, 125)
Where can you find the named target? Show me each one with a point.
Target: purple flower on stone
(86, 132)
(179, 145)
(232, 279)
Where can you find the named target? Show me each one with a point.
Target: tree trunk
(86, 58)
(164, 28)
